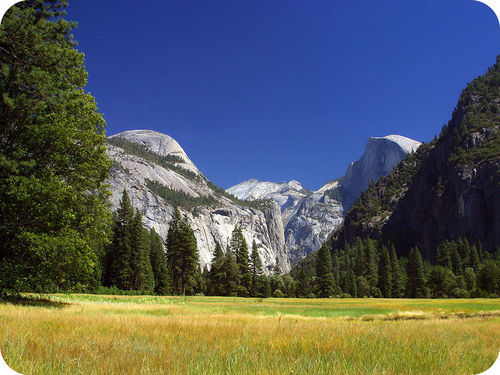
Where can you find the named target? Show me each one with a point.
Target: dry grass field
(87, 334)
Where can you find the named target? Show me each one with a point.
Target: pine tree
(456, 261)
(303, 283)
(385, 273)
(118, 270)
(231, 279)
(217, 273)
(158, 260)
(54, 213)
(255, 268)
(398, 282)
(474, 258)
(443, 256)
(371, 264)
(324, 272)
(142, 272)
(240, 248)
(182, 254)
(415, 287)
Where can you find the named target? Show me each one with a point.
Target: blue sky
(280, 90)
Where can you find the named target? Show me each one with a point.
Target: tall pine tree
(324, 273)
(158, 260)
(415, 286)
(54, 214)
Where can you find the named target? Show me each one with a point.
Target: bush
(278, 294)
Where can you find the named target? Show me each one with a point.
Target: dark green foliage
(217, 273)
(240, 248)
(118, 270)
(231, 280)
(385, 273)
(127, 263)
(182, 255)
(255, 269)
(441, 282)
(488, 277)
(158, 264)
(54, 216)
(142, 272)
(415, 285)
(324, 275)
(398, 276)
(443, 255)
(179, 198)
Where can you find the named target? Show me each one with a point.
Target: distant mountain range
(309, 217)
(286, 220)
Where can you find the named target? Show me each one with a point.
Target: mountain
(309, 217)
(381, 155)
(157, 174)
(449, 189)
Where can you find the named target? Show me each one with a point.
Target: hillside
(448, 189)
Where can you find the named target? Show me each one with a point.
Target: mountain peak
(408, 145)
(160, 143)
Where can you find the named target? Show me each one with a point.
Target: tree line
(369, 268)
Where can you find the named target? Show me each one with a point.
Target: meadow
(89, 334)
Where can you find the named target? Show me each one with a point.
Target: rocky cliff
(157, 173)
(381, 155)
(309, 217)
(449, 189)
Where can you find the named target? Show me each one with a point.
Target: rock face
(449, 189)
(309, 217)
(135, 169)
(381, 155)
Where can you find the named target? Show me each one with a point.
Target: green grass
(89, 334)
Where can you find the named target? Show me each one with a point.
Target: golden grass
(220, 336)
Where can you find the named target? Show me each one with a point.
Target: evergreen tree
(142, 272)
(255, 268)
(217, 273)
(303, 283)
(474, 258)
(443, 256)
(415, 286)
(118, 270)
(324, 272)
(182, 255)
(398, 282)
(230, 283)
(158, 264)
(385, 273)
(240, 249)
(456, 261)
(370, 262)
(54, 213)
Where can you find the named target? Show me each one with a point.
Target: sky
(283, 89)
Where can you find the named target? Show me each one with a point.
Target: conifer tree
(371, 264)
(158, 260)
(324, 272)
(142, 272)
(415, 287)
(385, 273)
(443, 257)
(182, 254)
(231, 279)
(474, 258)
(398, 282)
(240, 248)
(54, 213)
(118, 270)
(255, 268)
(217, 273)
